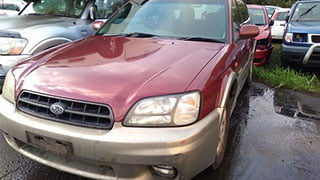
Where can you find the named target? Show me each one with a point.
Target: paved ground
(272, 137)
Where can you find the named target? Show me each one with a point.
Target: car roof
(254, 6)
(272, 6)
(306, 1)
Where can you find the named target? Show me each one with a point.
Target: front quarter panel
(213, 79)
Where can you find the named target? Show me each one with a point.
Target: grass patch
(276, 76)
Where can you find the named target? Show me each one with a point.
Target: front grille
(75, 112)
(315, 38)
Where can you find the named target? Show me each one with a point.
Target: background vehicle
(47, 23)
(264, 47)
(279, 18)
(142, 99)
(10, 7)
(271, 10)
(302, 36)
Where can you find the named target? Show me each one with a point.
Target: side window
(240, 15)
(107, 7)
(244, 12)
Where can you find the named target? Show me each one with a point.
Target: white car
(279, 17)
(10, 7)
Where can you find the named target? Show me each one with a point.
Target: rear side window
(282, 16)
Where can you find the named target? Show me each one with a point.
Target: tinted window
(257, 16)
(307, 12)
(172, 18)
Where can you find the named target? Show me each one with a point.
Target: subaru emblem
(57, 108)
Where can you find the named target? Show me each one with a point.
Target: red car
(148, 97)
(259, 17)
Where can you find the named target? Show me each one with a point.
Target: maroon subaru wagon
(148, 97)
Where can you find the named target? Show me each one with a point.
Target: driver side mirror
(93, 12)
(248, 31)
(271, 22)
(287, 18)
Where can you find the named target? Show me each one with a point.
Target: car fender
(49, 43)
(228, 80)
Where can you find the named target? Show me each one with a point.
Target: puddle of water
(295, 104)
(266, 142)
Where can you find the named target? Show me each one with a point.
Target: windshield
(68, 8)
(193, 19)
(257, 16)
(307, 12)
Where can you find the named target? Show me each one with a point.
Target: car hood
(116, 70)
(305, 27)
(19, 23)
(264, 32)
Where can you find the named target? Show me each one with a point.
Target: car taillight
(275, 16)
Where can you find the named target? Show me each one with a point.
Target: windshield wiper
(201, 39)
(36, 14)
(138, 34)
(306, 12)
(135, 34)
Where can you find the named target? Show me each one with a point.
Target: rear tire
(223, 135)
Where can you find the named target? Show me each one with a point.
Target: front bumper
(297, 54)
(119, 153)
(6, 63)
(262, 56)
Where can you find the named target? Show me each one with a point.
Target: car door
(242, 47)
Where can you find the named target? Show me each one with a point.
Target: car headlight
(165, 111)
(288, 37)
(8, 90)
(12, 46)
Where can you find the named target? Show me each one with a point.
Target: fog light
(164, 171)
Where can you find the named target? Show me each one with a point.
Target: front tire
(223, 135)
